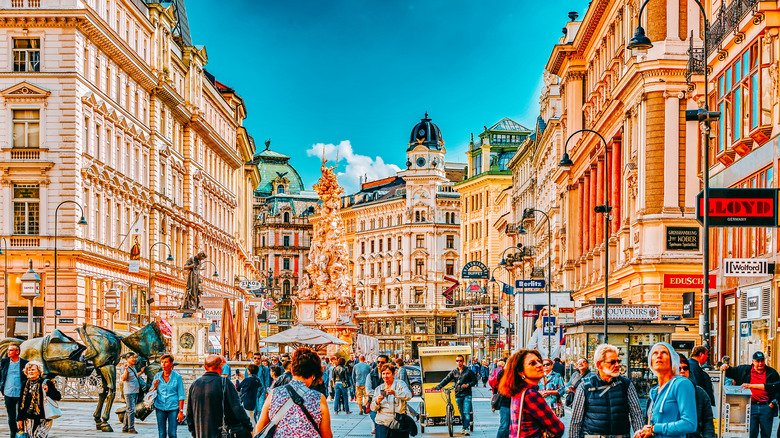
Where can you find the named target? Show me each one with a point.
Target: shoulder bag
(270, 429)
(545, 434)
(51, 409)
(228, 431)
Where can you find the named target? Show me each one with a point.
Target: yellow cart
(438, 406)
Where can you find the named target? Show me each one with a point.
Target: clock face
(186, 340)
(421, 133)
(420, 162)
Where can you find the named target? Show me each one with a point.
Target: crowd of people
(289, 396)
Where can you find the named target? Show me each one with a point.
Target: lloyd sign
(740, 207)
(745, 267)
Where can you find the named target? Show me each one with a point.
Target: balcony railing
(695, 61)
(727, 20)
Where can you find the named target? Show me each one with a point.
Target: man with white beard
(606, 403)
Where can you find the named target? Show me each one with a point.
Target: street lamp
(112, 302)
(216, 274)
(31, 284)
(704, 116)
(81, 221)
(604, 209)
(150, 298)
(5, 283)
(509, 265)
(527, 214)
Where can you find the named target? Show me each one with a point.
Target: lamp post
(150, 299)
(81, 221)
(510, 267)
(526, 214)
(500, 292)
(4, 253)
(112, 302)
(31, 284)
(604, 209)
(704, 116)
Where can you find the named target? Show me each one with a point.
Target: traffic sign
(272, 318)
(530, 284)
(269, 304)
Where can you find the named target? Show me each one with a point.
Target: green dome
(274, 169)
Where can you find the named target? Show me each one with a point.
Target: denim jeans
(167, 423)
(503, 425)
(342, 394)
(130, 400)
(760, 416)
(12, 407)
(464, 406)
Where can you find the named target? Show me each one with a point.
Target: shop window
(27, 215)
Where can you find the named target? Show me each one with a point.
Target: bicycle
(450, 409)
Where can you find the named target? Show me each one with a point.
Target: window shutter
(742, 305)
(766, 297)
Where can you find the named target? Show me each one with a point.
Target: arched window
(417, 216)
(286, 214)
(279, 189)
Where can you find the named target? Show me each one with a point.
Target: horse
(61, 355)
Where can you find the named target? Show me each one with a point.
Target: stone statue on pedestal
(193, 291)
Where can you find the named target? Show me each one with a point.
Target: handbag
(22, 434)
(51, 409)
(227, 431)
(298, 400)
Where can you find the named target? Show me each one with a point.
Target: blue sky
(358, 75)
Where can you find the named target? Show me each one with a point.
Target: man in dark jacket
(706, 428)
(761, 402)
(699, 377)
(605, 403)
(205, 401)
(11, 384)
(464, 379)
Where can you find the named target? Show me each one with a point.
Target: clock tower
(424, 173)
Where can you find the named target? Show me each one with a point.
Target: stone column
(599, 199)
(615, 184)
(585, 214)
(672, 149)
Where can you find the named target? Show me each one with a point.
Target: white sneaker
(466, 432)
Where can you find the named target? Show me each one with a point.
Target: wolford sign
(686, 281)
(740, 207)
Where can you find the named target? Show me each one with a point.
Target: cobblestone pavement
(77, 422)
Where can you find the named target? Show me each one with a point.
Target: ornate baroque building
(108, 105)
(485, 214)
(402, 232)
(282, 230)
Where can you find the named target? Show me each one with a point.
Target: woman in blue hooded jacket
(672, 408)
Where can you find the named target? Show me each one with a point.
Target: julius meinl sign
(740, 207)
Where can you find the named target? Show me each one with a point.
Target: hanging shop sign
(682, 238)
(739, 207)
(745, 267)
(529, 284)
(475, 270)
(686, 281)
(689, 304)
(619, 313)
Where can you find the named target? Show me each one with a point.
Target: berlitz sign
(686, 281)
(740, 207)
(745, 267)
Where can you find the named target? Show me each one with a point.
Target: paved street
(77, 422)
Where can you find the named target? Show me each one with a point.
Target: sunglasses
(613, 362)
(458, 360)
(547, 364)
(684, 368)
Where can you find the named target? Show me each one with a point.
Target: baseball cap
(759, 356)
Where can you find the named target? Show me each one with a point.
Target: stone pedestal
(317, 313)
(190, 338)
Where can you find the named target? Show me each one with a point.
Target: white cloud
(357, 166)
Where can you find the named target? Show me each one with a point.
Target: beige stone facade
(112, 108)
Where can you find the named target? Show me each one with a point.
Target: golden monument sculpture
(324, 296)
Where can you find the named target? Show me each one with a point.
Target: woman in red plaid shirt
(521, 382)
